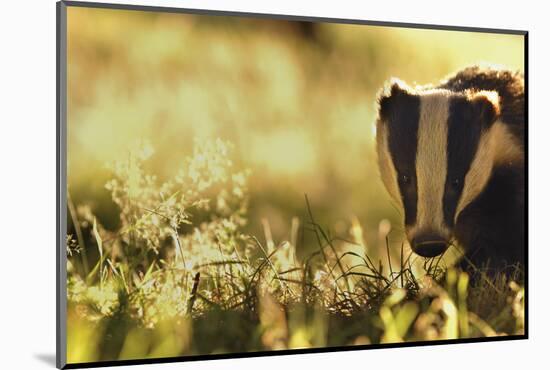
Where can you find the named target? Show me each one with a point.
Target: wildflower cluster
(168, 231)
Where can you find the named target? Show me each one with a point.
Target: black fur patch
(492, 227)
(401, 112)
(465, 123)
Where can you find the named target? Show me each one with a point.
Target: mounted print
(234, 184)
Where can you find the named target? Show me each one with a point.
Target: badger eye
(456, 183)
(404, 179)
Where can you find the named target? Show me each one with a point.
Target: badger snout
(429, 245)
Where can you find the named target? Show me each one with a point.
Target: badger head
(436, 151)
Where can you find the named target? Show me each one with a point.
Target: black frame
(61, 174)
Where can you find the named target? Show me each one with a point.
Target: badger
(452, 158)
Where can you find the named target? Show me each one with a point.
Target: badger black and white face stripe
(432, 163)
(436, 150)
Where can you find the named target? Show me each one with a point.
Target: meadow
(223, 195)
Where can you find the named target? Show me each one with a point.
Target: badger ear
(486, 106)
(394, 90)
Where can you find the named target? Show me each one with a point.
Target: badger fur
(452, 157)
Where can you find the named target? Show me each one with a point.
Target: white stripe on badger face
(497, 147)
(431, 164)
(478, 174)
(385, 164)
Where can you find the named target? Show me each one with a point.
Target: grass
(180, 277)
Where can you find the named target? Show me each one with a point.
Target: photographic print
(238, 184)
